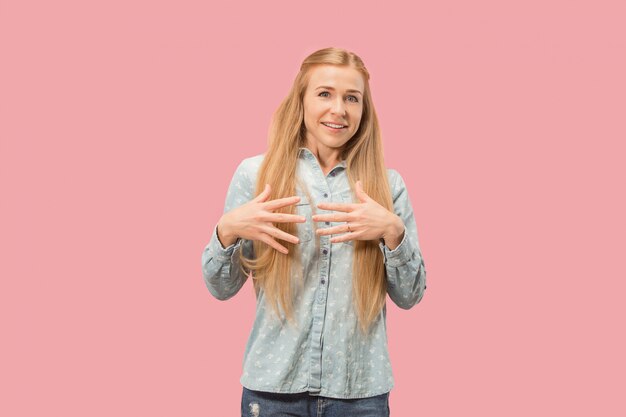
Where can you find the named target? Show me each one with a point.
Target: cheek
(310, 114)
(307, 116)
(357, 122)
(309, 122)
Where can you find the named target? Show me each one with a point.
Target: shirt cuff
(222, 253)
(398, 256)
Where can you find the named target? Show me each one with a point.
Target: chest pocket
(305, 230)
(346, 197)
(303, 208)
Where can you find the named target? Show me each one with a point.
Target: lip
(336, 123)
(332, 129)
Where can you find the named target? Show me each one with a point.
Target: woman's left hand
(366, 220)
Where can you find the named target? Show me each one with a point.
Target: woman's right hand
(253, 221)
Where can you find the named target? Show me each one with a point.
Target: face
(333, 105)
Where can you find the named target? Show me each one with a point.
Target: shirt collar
(307, 154)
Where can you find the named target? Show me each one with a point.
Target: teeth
(333, 125)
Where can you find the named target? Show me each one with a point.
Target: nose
(338, 107)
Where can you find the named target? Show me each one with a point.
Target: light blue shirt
(325, 353)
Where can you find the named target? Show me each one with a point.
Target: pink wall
(121, 125)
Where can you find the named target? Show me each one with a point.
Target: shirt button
(323, 282)
(325, 195)
(325, 251)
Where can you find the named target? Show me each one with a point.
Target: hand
(366, 220)
(253, 221)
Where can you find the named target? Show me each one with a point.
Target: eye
(356, 100)
(323, 92)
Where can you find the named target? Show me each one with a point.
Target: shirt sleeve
(404, 265)
(221, 267)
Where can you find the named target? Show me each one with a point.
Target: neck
(328, 158)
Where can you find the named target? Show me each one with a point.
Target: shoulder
(396, 182)
(249, 167)
(251, 163)
(243, 182)
(392, 175)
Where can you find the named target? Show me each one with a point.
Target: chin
(336, 144)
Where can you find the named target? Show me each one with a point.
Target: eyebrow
(331, 88)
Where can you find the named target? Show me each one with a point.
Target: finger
(345, 207)
(332, 217)
(360, 193)
(332, 230)
(280, 234)
(281, 202)
(264, 194)
(345, 237)
(282, 218)
(271, 242)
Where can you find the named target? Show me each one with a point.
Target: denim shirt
(324, 353)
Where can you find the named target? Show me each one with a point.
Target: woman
(326, 232)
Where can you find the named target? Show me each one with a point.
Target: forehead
(336, 76)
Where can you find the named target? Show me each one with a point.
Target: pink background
(121, 125)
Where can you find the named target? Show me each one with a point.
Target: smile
(334, 126)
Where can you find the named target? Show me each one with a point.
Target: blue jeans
(268, 404)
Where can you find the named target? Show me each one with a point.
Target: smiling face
(333, 105)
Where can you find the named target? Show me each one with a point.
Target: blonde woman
(325, 232)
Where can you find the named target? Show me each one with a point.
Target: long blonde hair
(364, 161)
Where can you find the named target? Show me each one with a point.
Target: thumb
(361, 195)
(264, 194)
